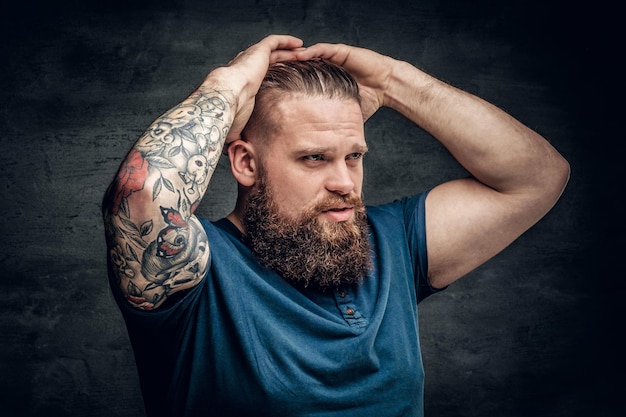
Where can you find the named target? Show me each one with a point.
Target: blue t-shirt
(246, 342)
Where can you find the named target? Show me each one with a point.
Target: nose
(341, 179)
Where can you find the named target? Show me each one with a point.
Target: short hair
(316, 78)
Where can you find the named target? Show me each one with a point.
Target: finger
(332, 52)
(285, 55)
(277, 42)
(267, 46)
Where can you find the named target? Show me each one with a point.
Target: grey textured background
(534, 332)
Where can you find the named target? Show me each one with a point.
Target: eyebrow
(328, 149)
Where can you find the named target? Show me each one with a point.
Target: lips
(339, 214)
(338, 209)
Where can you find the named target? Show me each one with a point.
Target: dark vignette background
(534, 332)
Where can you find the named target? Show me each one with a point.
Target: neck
(236, 216)
(235, 219)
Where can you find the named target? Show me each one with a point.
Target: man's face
(316, 155)
(305, 217)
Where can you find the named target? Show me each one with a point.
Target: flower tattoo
(131, 178)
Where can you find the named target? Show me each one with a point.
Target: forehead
(302, 119)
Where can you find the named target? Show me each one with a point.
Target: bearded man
(302, 301)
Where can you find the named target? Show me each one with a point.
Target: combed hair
(315, 78)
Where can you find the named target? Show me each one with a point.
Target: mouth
(339, 214)
(338, 208)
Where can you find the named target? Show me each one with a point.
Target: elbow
(544, 186)
(561, 175)
(552, 183)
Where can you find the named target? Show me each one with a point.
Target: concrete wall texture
(534, 332)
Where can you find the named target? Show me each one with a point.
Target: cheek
(291, 193)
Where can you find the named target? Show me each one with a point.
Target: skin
(318, 155)
(516, 175)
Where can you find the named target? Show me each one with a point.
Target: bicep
(156, 257)
(467, 223)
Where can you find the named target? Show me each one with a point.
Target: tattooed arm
(156, 246)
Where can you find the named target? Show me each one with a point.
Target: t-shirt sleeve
(415, 224)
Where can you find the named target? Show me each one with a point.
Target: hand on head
(245, 73)
(371, 70)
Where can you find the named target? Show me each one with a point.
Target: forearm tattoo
(155, 245)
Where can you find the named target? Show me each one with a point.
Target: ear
(243, 162)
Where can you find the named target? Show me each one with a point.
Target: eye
(314, 158)
(354, 156)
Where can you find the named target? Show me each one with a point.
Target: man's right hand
(244, 75)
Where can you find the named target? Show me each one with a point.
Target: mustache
(334, 201)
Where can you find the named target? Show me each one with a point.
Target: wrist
(223, 81)
(409, 90)
(405, 82)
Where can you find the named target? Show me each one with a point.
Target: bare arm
(517, 176)
(156, 245)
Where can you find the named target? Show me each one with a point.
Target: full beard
(306, 251)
